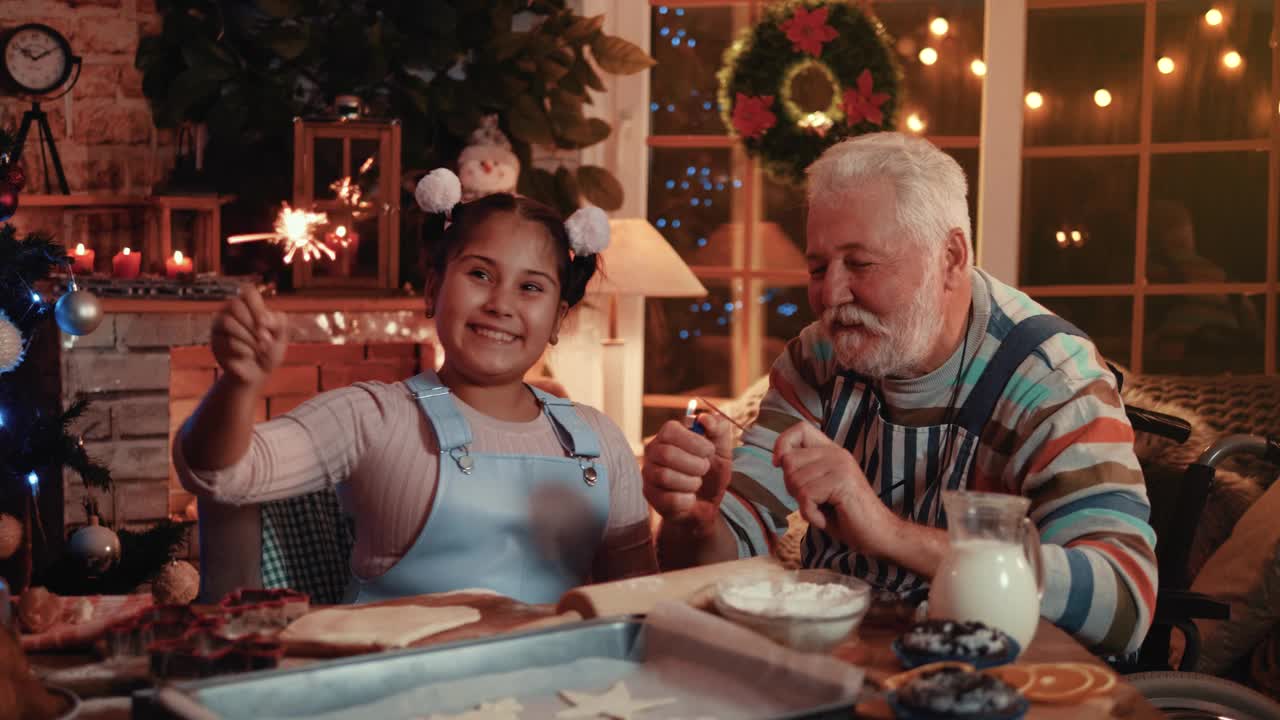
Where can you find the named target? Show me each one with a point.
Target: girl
(464, 478)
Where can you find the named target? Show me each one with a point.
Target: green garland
(839, 40)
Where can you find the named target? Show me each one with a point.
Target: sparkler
(295, 229)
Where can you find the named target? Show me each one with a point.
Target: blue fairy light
(722, 320)
(706, 306)
(681, 32)
(728, 307)
(35, 297)
(653, 107)
(707, 202)
(664, 32)
(662, 222)
(706, 171)
(691, 170)
(720, 186)
(671, 107)
(1, 419)
(684, 334)
(675, 223)
(787, 309)
(33, 480)
(702, 242)
(706, 184)
(694, 307)
(662, 10)
(737, 183)
(675, 42)
(706, 105)
(680, 12)
(684, 184)
(671, 184)
(694, 201)
(691, 42)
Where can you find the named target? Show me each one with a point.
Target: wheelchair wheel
(1191, 696)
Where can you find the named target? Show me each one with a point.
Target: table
(869, 650)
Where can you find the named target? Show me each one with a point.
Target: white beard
(894, 346)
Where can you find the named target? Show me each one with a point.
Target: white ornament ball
(96, 549)
(439, 191)
(10, 536)
(11, 345)
(79, 312)
(177, 584)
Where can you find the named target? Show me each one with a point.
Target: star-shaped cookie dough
(617, 703)
(505, 709)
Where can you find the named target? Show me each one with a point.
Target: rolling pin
(640, 594)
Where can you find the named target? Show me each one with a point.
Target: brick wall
(103, 127)
(145, 372)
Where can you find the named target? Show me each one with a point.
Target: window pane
(785, 311)
(691, 192)
(1202, 97)
(779, 242)
(947, 95)
(688, 44)
(1078, 220)
(1107, 320)
(1208, 220)
(1203, 334)
(1072, 53)
(688, 342)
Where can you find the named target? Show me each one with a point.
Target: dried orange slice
(1019, 676)
(894, 682)
(1059, 683)
(1103, 678)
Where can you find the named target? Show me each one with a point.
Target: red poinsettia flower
(751, 115)
(808, 30)
(864, 104)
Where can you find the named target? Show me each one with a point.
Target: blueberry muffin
(955, 694)
(972, 642)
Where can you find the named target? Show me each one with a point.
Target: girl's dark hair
(441, 244)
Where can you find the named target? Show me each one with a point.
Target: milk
(990, 581)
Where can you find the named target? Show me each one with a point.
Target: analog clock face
(36, 59)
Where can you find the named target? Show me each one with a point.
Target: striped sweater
(1058, 435)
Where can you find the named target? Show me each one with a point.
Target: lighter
(690, 411)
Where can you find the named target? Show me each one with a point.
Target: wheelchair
(1180, 692)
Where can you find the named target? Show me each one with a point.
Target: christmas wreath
(808, 75)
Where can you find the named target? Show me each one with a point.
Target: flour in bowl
(793, 599)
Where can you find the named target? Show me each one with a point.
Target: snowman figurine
(487, 165)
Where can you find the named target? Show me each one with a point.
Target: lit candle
(126, 264)
(82, 260)
(177, 266)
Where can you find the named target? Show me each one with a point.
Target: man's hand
(686, 474)
(248, 340)
(832, 492)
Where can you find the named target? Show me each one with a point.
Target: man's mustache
(850, 314)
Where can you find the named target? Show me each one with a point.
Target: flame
(295, 229)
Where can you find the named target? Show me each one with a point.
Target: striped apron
(909, 467)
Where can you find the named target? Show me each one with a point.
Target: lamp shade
(639, 261)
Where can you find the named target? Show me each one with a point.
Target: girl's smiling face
(498, 303)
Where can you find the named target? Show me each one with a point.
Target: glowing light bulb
(1102, 97)
(914, 123)
(978, 67)
(1076, 237)
(33, 480)
(1035, 100)
(1061, 237)
(1232, 59)
(928, 56)
(1213, 18)
(1165, 65)
(939, 26)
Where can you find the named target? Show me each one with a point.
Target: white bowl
(812, 623)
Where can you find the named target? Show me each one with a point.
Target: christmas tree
(36, 436)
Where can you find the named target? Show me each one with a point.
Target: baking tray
(329, 687)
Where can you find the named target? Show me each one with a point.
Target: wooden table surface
(107, 696)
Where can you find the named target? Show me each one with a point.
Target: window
(742, 232)
(1149, 186)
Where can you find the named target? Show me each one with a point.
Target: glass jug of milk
(992, 572)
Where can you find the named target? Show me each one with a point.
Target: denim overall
(526, 526)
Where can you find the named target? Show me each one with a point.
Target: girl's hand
(248, 340)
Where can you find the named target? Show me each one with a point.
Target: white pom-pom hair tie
(588, 230)
(439, 191)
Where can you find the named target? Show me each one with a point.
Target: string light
(939, 26)
(1213, 18)
(928, 56)
(1102, 97)
(978, 67)
(1232, 59)
(1061, 237)
(914, 123)
(1077, 238)
(1035, 100)
(34, 481)
(35, 297)
(1165, 65)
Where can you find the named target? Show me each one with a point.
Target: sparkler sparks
(295, 229)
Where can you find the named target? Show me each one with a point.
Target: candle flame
(79, 248)
(127, 251)
(177, 256)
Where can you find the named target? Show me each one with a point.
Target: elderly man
(924, 374)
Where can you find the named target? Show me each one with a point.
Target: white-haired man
(923, 374)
